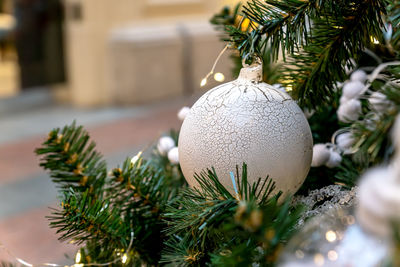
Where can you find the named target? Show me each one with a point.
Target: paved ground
(26, 191)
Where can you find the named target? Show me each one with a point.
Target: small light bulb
(374, 40)
(330, 236)
(245, 24)
(78, 257)
(124, 258)
(136, 158)
(319, 259)
(332, 255)
(203, 82)
(219, 77)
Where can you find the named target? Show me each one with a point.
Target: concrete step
(26, 101)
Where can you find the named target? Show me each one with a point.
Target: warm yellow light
(330, 236)
(374, 40)
(332, 255)
(219, 77)
(319, 259)
(124, 258)
(203, 82)
(136, 158)
(245, 24)
(78, 257)
(289, 88)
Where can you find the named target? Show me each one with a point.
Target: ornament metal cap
(253, 72)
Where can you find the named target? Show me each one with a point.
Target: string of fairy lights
(219, 77)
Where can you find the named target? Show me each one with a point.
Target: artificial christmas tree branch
(149, 199)
(101, 209)
(319, 37)
(215, 225)
(72, 160)
(210, 224)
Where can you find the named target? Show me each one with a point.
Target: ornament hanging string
(255, 60)
(122, 259)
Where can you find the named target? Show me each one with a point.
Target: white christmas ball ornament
(353, 89)
(279, 86)
(183, 112)
(247, 121)
(165, 144)
(349, 111)
(173, 155)
(334, 159)
(321, 155)
(359, 75)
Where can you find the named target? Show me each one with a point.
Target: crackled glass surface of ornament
(334, 239)
(248, 121)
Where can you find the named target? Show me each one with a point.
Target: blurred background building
(100, 52)
(121, 68)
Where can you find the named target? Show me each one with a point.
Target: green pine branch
(103, 209)
(206, 223)
(284, 25)
(372, 132)
(394, 19)
(316, 39)
(83, 218)
(170, 223)
(339, 35)
(72, 160)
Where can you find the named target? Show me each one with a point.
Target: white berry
(345, 140)
(183, 112)
(165, 144)
(334, 160)
(359, 75)
(343, 100)
(321, 155)
(353, 89)
(173, 155)
(349, 111)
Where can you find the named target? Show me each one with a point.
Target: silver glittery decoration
(319, 201)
